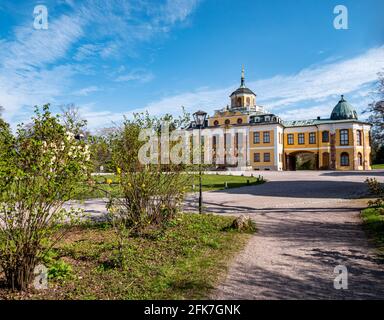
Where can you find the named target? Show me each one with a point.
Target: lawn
(373, 219)
(209, 182)
(378, 166)
(184, 261)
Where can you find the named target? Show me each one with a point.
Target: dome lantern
(243, 97)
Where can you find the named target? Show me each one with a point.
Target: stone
(241, 223)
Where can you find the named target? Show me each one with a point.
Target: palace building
(247, 137)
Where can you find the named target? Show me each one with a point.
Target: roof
(242, 90)
(341, 113)
(343, 110)
(314, 122)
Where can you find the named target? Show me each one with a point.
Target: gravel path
(307, 224)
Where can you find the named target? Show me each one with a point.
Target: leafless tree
(72, 118)
(70, 114)
(376, 117)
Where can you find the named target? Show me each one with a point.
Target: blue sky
(112, 58)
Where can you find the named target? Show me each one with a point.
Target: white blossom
(69, 136)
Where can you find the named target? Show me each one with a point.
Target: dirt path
(307, 225)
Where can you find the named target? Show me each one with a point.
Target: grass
(378, 166)
(209, 182)
(185, 261)
(373, 219)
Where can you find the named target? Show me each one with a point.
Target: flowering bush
(41, 167)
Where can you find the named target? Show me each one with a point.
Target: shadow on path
(354, 173)
(277, 285)
(296, 260)
(304, 189)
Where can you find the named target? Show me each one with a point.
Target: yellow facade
(329, 151)
(228, 116)
(341, 142)
(263, 140)
(263, 162)
(276, 146)
(296, 145)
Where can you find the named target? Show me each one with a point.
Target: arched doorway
(301, 160)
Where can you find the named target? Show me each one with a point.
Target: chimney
(318, 118)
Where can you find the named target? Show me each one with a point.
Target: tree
(376, 110)
(72, 120)
(101, 151)
(2, 122)
(41, 167)
(379, 154)
(100, 154)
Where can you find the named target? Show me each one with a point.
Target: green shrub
(376, 189)
(59, 270)
(150, 193)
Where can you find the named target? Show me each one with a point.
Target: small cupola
(243, 97)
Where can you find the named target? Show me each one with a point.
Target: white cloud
(87, 51)
(136, 75)
(319, 82)
(305, 113)
(86, 91)
(99, 119)
(310, 93)
(307, 94)
(21, 91)
(37, 66)
(178, 10)
(39, 48)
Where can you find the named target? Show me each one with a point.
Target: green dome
(343, 111)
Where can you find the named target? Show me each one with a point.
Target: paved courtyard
(308, 223)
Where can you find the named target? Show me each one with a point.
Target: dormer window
(216, 123)
(227, 122)
(267, 118)
(239, 121)
(257, 119)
